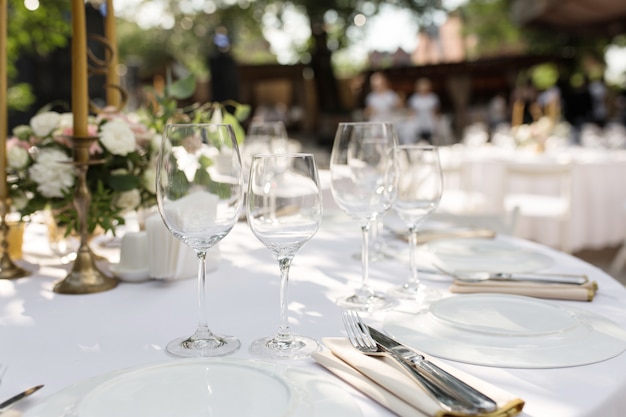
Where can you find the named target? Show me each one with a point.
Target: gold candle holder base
(8, 270)
(84, 277)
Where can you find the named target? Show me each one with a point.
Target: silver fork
(448, 398)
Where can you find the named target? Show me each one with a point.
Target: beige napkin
(584, 292)
(386, 382)
(426, 236)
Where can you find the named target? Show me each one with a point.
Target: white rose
(44, 123)
(117, 137)
(128, 200)
(156, 142)
(17, 157)
(52, 172)
(149, 180)
(19, 201)
(66, 121)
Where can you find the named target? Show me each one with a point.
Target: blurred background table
(597, 195)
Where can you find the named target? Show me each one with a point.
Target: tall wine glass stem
(365, 291)
(203, 324)
(284, 334)
(413, 279)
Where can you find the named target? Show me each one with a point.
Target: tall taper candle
(80, 90)
(3, 99)
(112, 78)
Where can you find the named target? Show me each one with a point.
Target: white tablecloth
(598, 194)
(58, 340)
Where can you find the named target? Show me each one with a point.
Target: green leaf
(124, 182)
(205, 162)
(179, 184)
(242, 111)
(240, 133)
(183, 88)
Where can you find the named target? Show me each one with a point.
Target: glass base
(371, 302)
(296, 347)
(416, 292)
(193, 347)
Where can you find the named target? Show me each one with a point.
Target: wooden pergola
(583, 17)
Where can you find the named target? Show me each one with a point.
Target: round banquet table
(59, 340)
(597, 195)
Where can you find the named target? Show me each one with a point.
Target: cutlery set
(537, 277)
(451, 393)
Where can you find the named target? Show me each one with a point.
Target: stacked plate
(486, 255)
(197, 388)
(508, 331)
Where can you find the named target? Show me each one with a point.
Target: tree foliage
(489, 21)
(36, 32)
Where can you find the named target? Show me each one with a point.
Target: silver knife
(538, 277)
(436, 376)
(6, 404)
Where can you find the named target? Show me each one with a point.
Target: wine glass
(273, 132)
(284, 211)
(200, 196)
(420, 186)
(363, 182)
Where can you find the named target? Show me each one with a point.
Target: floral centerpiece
(540, 134)
(41, 173)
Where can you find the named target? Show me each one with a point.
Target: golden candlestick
(8, 270)
(112, 78)
(80, 91)
(84, 277)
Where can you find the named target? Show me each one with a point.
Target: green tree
(329, 21)
(490, 23)
(33, 32)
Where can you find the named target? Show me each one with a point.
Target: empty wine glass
(273, 132)
(200, 196)
(284, 211)
(363, 182)
(420, 186)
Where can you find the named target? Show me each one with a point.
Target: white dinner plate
(486, 255)
(201, 388)
(508, 331)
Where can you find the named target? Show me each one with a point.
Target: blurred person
(578, 109)
(549, 102)
(381, 102)
(223, 68)
(424, 109)
(497, 111)
(599, 108)
(525, 108)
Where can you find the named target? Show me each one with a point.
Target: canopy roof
(585, 17)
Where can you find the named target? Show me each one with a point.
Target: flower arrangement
(41, 174)
(540, 134)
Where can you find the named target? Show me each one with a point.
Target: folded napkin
(385, 381)
(426, 236)
(583, 292)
